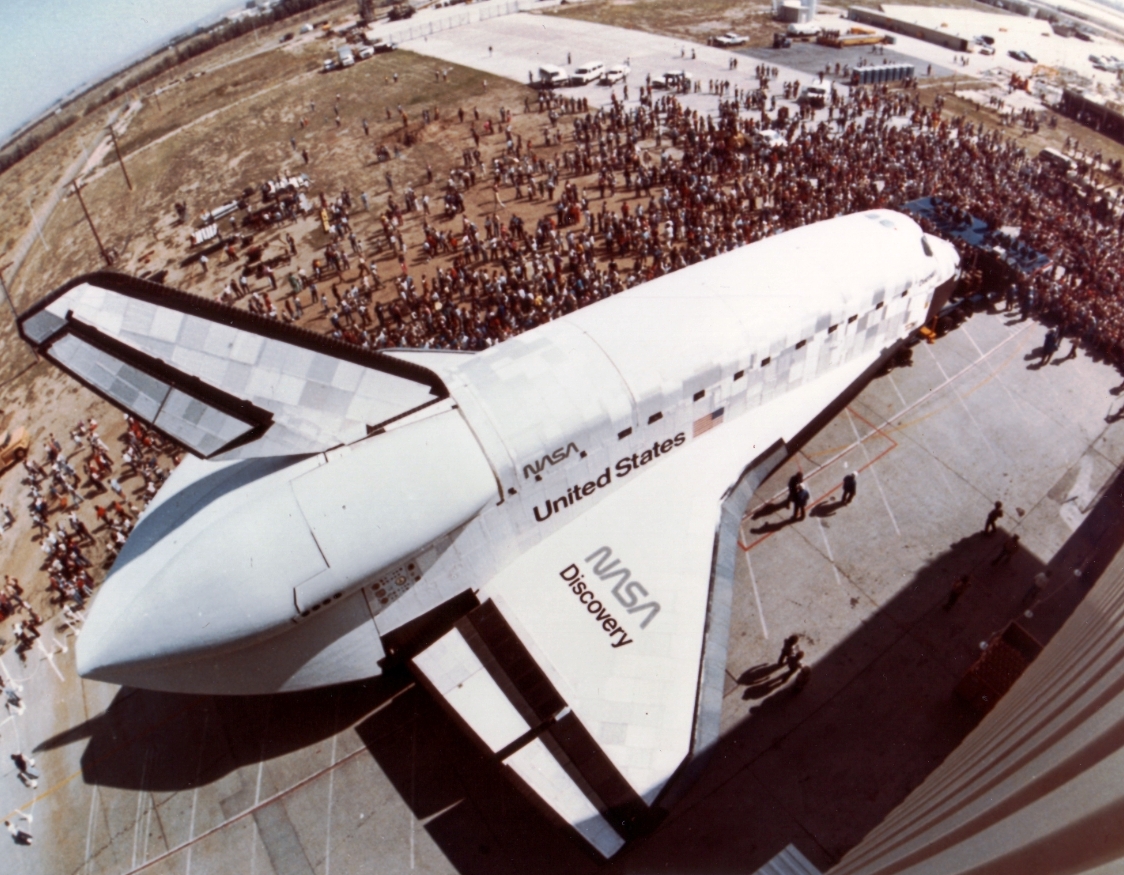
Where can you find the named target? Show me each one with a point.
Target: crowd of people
(602, 200)
(81, 515)
(73, 546)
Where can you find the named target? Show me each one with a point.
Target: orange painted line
(871, 425)
(839, 455)
(746, 548)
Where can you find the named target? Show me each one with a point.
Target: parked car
(727, 39)
(14, 447)
(813, 95)
(771, 139)
(588, 72)
(364, 52)
(380, 45)
(551, 76)
(804, 29)
(615, 74)
(1057, 159)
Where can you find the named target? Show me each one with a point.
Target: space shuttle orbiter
(564, 491)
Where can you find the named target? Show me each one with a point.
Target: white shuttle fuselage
(570, 481)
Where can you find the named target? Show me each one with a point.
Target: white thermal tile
(457, 674)
(447, 662)
(542, 773)
(166, 324)
(485, 708)
(347, 376)
(247, 347)
(138, 317)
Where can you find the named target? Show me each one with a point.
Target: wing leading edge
(225, 383)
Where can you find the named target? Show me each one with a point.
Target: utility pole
(120, 160)
(7, 297)
(104, 254)
(38, 227)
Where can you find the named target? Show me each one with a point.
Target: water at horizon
(54, 47)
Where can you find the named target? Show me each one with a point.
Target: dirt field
(218, 133)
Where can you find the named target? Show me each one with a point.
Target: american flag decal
(702, 426)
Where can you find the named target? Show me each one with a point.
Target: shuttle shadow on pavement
(481, 822)
(822, 767)
(165, 742)
(818, 769)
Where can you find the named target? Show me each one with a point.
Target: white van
(804, 29)
(813, 95)
(615, 74)
(551, 76)
(588, 72)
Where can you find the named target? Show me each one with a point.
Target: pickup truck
(14, 447)
(673, 80)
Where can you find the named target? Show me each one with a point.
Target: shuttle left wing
(223, 382)
(585, 667)
(580, 668)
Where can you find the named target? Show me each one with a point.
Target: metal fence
(470, 15)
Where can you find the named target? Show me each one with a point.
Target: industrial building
(1102, 115)
(908, 28)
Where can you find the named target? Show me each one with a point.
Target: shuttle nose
(208, 581)
(221, 586)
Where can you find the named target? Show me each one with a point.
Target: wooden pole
(120, 160)
(11, 306)
(104, 254)
(7, 297)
